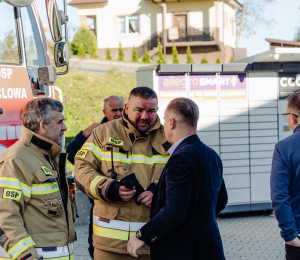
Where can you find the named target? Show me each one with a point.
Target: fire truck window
(34, 49)
(9, 46)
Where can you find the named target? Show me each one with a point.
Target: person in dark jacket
(285, 180)
(189, 196)
(112, 109)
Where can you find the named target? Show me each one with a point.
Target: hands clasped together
(145, 198)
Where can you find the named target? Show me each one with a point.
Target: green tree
(87, 38)
(81, 51)
(175, 53)
(135, 57)
(108, 56)
(94, 50)
(218, 60)
(232, 59)
(189, 55)
(160, 55)
(10, 39)
(204, 60)
(121, 53)
(146, 57)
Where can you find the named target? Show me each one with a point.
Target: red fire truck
(25, 68)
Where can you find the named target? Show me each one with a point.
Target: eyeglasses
(286, 114)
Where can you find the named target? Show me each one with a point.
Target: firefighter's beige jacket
(142, 154)
(36, 209)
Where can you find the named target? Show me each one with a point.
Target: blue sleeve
(178, 192)
(75, 146)
(280, 181)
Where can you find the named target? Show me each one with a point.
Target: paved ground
(244, 237)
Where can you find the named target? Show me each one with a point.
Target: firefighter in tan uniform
(36, 209)
(136, 143)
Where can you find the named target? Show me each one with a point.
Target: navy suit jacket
(190, 194)
(285, 183)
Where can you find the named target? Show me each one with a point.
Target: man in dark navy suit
(190, 194)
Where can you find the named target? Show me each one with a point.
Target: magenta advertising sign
(203, 87)
(233, 86)
(171, 86)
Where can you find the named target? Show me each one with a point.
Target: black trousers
(292, 252)
(90, 240)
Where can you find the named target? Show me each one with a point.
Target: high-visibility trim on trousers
(60, 253)
(56, 253)
(20, 247)
(14, 183)
(116, 229)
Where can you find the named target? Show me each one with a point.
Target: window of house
(129, 24)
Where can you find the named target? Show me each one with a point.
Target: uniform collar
(133, 130)
(46, 145)
(104, 120)
(297, 129)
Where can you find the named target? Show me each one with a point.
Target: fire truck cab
(26, 71)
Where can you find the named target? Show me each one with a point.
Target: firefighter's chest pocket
(46, 191)
(117, 159)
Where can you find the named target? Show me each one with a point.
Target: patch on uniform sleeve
(46, 171)
(81, 154)
(115, 142)
(12, 194)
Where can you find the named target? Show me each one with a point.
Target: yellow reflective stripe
(71, 257)
(14, 183)
(20, 247)
(106, 156)
(119, 157)
(93, 186)
(132, 234)
(40, 189)
(111, 233)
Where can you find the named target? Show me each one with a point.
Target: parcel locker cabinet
(240, 118)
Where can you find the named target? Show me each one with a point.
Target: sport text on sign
(233, 87)
(115, 142)
(171, 86)
(203, 87)
(11, 194)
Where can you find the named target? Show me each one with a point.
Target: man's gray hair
(38, 110)
(110, 97)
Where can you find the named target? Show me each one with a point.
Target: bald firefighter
(36, 209)
(119, 166)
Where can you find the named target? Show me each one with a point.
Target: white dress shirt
(174, 146)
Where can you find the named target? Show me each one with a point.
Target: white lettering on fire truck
(11, 93)
(5, 73)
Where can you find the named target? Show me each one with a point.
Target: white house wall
(107, 26)
(200, 14)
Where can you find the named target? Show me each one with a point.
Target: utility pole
(164, 32)
(163, 6)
